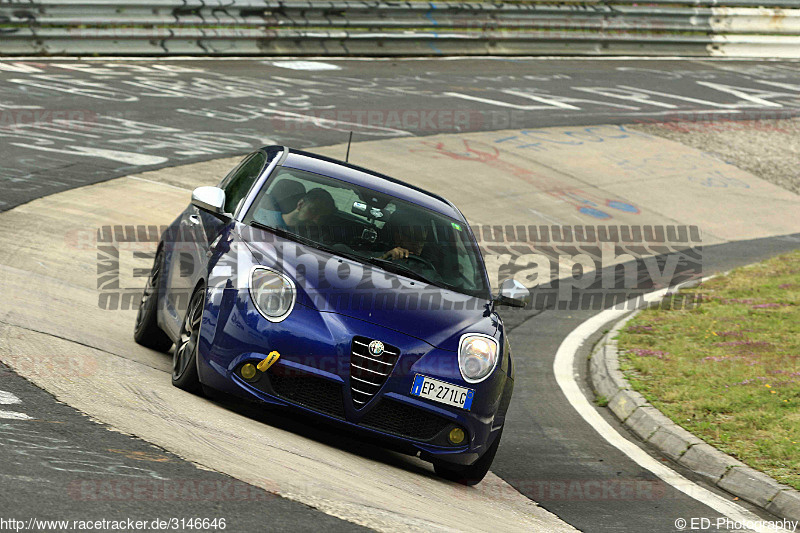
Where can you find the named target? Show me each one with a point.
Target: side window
(237, 184)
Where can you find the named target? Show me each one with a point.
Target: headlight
(272, 292)
(477, 356)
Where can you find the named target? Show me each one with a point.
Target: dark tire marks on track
(62, 466)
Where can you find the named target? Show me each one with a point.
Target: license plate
(442, 392)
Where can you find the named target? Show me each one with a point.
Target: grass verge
(728, 369)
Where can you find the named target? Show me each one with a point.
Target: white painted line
(6, 398)
(131, 158)
(338, 125)
(159, 183)
(563, 370)
(304, 65)
(13, 415)
(9, 105)
(689, 112)
(548, 101)
(500, 102)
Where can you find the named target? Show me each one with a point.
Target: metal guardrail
(381, 28)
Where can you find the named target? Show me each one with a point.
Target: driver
(407, 234)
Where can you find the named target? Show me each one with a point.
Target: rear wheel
(184, 360)
(146, 332)
(472, 474)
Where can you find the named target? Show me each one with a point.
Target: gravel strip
(768, 148)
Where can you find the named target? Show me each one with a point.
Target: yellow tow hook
(269, 361)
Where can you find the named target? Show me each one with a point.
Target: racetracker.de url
(124, 524)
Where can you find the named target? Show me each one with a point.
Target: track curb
(654, 428)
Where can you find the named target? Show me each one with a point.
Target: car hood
(334, 284)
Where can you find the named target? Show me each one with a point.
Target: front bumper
(313, 374)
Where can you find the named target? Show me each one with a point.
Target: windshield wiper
(283, 233)
(397, 268)
(310, 242)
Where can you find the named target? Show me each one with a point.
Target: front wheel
(184, 360)
(146, 332)
(472, 474)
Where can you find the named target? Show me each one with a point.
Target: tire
(472, 474)
(184, 359)
(146, 331)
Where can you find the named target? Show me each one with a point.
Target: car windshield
(371, 227)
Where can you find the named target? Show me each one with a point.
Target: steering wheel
(422, 261)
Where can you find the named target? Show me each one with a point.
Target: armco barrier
(755, 28)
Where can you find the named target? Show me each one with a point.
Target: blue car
(313, 284)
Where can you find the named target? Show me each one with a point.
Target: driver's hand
(396, 253)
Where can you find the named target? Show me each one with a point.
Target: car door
(199, 230)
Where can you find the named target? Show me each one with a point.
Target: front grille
(310, 391)
(403, 420)
(368, 372)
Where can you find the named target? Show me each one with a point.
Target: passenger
(310, 209)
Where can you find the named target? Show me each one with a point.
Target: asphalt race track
(526, 129)
(79, 123)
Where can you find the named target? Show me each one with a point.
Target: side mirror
(211, 199)
(513, 294)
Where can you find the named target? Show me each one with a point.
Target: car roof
(370, 179)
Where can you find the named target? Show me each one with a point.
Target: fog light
(248, 371)
(456, 436)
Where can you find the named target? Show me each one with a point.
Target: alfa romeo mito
(313, 284)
